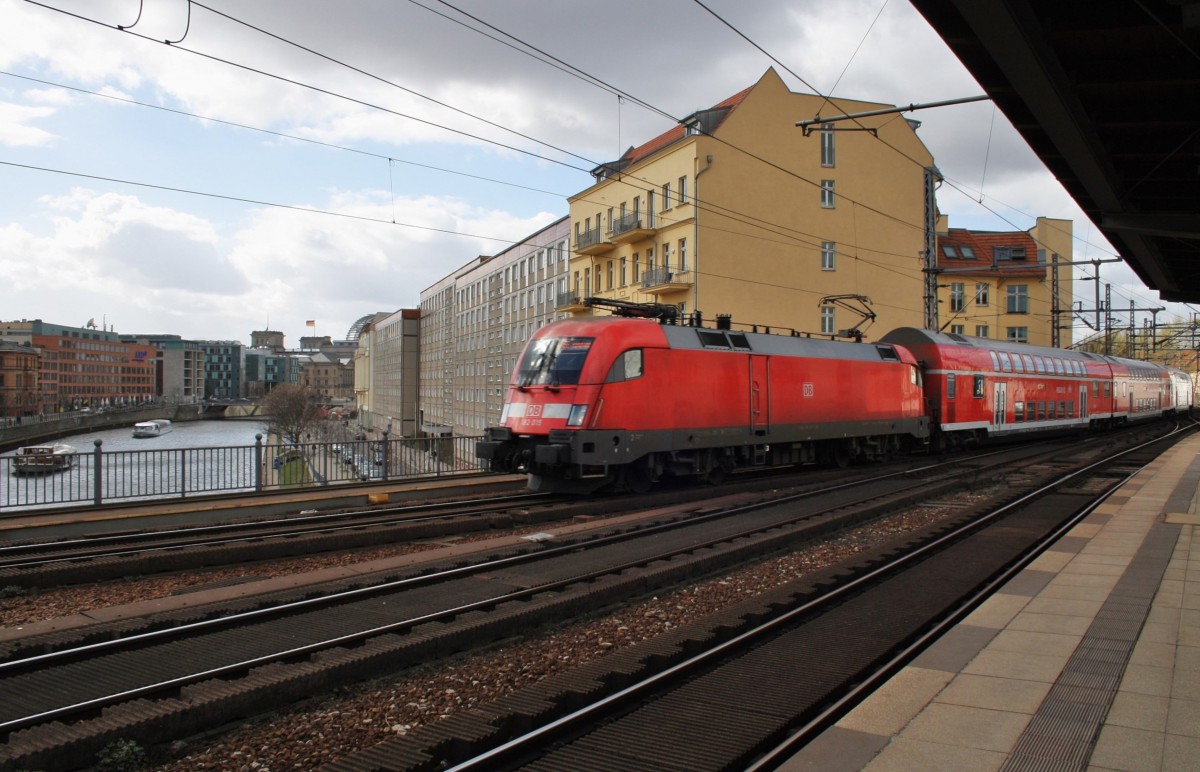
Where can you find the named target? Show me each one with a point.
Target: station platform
(1087, 659)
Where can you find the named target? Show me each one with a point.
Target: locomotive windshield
(553, 362)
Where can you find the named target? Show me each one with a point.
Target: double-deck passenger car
(976, 388)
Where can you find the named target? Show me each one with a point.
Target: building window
(827, 194)
(623, 271)
(957, 329)
(957, 297)
(949, 251)
(683, 255)
(666, 191)
(828, 320)
(828, 255)
(649, 208)
(1018, 334)
(683, 190)
(1018, 299)
(827, 144)
(981, 294)
(666, 252)
(637, 265)
(981, 331)
(967, 252)
(610, 274)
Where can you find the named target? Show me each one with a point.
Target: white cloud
(206, 269)
(15, 128)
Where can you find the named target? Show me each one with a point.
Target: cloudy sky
(288, 160)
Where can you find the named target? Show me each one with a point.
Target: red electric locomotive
(626, 401)
(978, 388)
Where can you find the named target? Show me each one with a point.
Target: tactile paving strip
(1063, 732)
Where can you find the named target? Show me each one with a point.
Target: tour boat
(41, 459)
(151, 428)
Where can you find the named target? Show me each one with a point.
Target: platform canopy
(1107, 94)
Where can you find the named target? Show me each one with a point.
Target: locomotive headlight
(578, 412)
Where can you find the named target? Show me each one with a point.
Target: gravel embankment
(308, 735)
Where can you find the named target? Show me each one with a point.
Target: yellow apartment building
(738, 211)
(1003, 285)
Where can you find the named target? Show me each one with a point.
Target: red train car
(978, 388)
(627, 401)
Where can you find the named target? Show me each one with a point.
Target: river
(195, 457)
(190, 434)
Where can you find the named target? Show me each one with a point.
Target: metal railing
(590, 238)
(628, 222)
(564, 299)
(657, 276)
(98, 477)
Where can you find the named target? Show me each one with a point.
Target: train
(618, 401)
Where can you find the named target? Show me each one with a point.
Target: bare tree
(292, 410)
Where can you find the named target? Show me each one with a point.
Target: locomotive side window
(626, 367)
(739, 340)
(979, 386)
(887, 353)
(712, 339)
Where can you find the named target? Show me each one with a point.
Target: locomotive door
(760, 394)
(1000, 404)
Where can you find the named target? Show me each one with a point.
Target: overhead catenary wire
(363, 103)
(625, 180)
(632, 99)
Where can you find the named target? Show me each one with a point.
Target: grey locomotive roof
(708, 339)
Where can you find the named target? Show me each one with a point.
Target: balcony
(631, 227)
(592, 242)
(661, 281)
(569, 302)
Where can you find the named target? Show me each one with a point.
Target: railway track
(105, 556)
(157, 678)
(745, 690)
(108, 556)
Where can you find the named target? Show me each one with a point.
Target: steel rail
(591, 714)
(17, 549)
(267, 535)
(361, 635)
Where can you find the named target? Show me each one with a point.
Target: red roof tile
(635, 154)
(983, 244)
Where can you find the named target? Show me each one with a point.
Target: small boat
(151, 428)
(43, 459)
